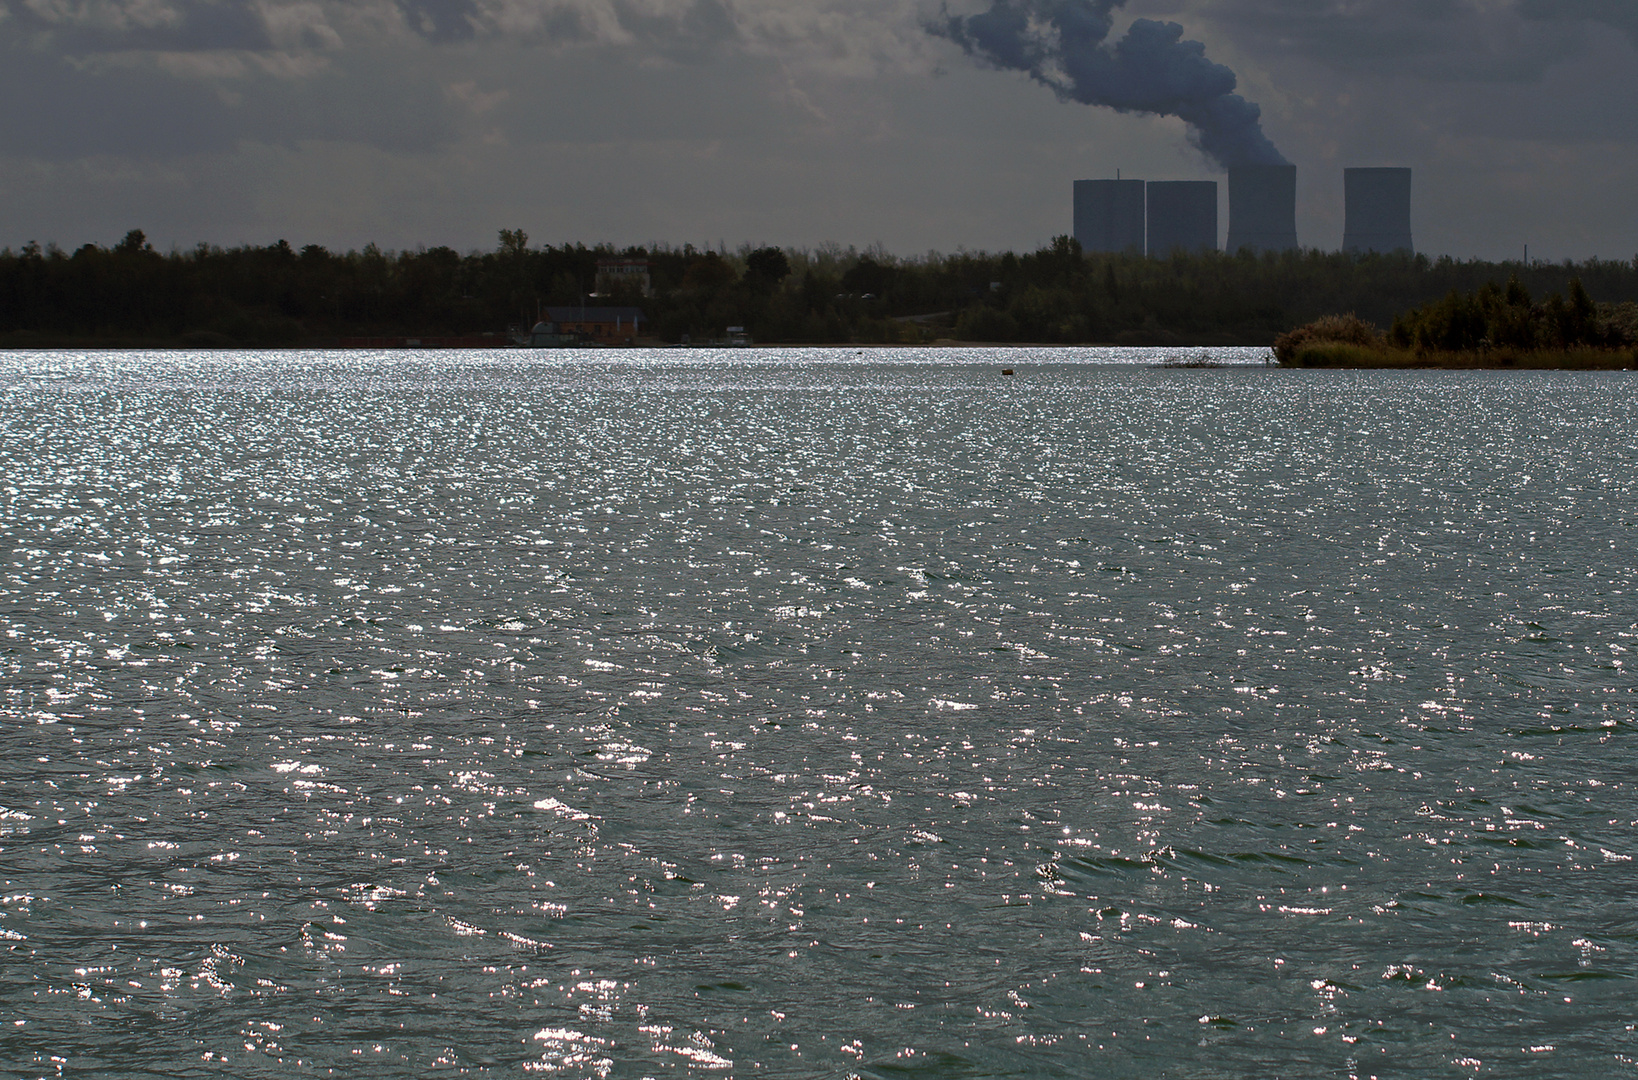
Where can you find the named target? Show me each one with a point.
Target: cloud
(1436, 40)
(858, 36)
(1621, 14)
(298, 26)
(77, 27)
(441, 20)
(479, 101)
(152, 106)
(103, 15)
(792, 120)
(103, 114)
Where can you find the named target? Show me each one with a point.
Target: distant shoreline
(132, 297)
(1328, 356)
(1338, 355)
(103, 345)
(147, 345)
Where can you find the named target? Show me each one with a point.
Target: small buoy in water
(1006, 371)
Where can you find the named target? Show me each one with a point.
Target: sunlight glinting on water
(805, 714)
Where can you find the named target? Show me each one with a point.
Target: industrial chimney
(1263, 208)
(1182, 217)
(1109, 215)
(1379, 210)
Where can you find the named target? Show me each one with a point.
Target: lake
(815, 713)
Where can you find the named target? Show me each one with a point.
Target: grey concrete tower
(1263, 208)
(1182, 216)
(1109, 215)
(1379, 210)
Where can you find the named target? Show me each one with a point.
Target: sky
(791, 122)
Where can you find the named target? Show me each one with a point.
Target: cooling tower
(1109, 215)
(1379, 210)
(1263, 208)
(1182, 216)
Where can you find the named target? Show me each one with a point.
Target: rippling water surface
(814, 714)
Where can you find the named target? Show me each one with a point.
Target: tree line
(1494, 326)
(280, 295)
(1495, 317)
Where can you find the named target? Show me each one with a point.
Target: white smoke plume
(1064, 45)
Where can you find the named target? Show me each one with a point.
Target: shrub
(1347, 329)
(1619, 322)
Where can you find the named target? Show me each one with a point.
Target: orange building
(601, 325)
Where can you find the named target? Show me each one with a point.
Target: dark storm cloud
(677, 30)
(1063, 45)
(180, 26)
(1621, 14)
(441, 20)
(143, 113)
(1436, 40)
(152, 80)
(136, 114)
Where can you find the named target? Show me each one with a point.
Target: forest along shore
(130, 295)
(1493, 327)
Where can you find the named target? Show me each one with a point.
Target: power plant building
(1182, 217)
(1109, 215)
(1163, 217)
(1378, 217)
(1263, 208)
